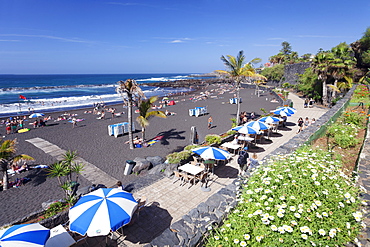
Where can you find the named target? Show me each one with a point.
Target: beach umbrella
(35, 115)
(258, 125)
(245, 130)
(212, 153)
(269, 119)
(31, 235)
(281, 112)
(287, 109)
(102, 211)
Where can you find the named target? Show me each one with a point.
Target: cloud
(74, 40)
(275, 39)
(177, 41)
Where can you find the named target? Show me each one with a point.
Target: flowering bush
(343, 135)
(361, 94)
(301, 199)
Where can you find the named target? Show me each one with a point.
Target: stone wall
(291, 71)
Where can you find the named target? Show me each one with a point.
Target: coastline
(92, 142)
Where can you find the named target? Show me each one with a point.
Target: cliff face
(291, 71)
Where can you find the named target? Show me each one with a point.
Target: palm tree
(145, 114)
(130, 92)
(66, 168)
(342, 64)
(8, 157)
(238, 70)
(321, 68)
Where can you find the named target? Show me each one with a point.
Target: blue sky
(160, 36)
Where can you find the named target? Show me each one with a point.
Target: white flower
(332, 233)
(250, 215)
(304, 236)
(270, 199)
(288, 228)
(341, 204)
(243, 243)
(348, 225)
(274, 228)
(292, 197)
(217, 237)
(318, 203)
(318, 215)
(259, 238)
(325, 214)
(292, 208)
(236, 241)
(293, 222)
(282, 198)
(297, 215)
(357, 215)
(347, 195)
(258, 212)
(317, 183)
(322, 232)
(247, 236)
(249, 192)
(281, 230)
(280, 215)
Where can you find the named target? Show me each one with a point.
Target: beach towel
(23, 130)
(77, 120)
(151, 143)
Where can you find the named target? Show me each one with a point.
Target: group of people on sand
(303, 124)
(12, 124)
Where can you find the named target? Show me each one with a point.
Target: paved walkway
(90, 172)
(168, 201)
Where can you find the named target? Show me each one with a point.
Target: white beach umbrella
(36, 115)
(258, 125)
(26, 235)
(212, 153)
(102, 211)
(269, 119)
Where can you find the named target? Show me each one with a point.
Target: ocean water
(50, 93)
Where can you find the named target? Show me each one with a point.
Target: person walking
(243, 160)
(210, 121)
(300, 124)
(74, 122)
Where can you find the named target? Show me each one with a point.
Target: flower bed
(298, 199)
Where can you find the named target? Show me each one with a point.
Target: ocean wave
(38, 88)
(74, 102)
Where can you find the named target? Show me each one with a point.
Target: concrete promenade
(167, 202)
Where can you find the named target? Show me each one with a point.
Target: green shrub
(343, 135)
(173, 158)
(353, 118)
(190, 147)
(231, 132)
(184, 155)
(233, 122)
(213, 139)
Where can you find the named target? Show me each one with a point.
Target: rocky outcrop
(291, 71)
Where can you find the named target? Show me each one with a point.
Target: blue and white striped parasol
(257, 125)
(281, 112)
(245, 130)
(269, 119)
(31, 235)
(212, 153)
(35, 115)
(102, 211)
(289, 110)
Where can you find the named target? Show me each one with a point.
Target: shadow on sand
(171, 134)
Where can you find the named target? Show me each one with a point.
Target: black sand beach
(91, 141)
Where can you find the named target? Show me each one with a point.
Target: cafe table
(191, 169)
